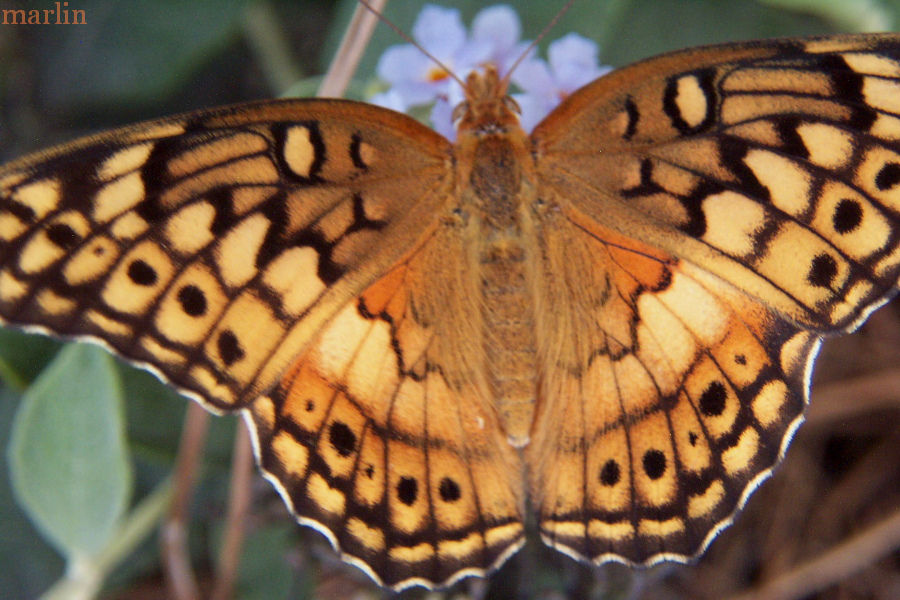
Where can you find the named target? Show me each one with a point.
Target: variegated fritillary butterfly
(612, 320)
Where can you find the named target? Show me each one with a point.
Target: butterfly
(611, 320)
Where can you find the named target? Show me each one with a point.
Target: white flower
(391, 99)
(499, 26)
(416, 80)
(573, 64)
(415, 77)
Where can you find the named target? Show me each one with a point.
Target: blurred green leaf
(851, 15)
(132, 50)
(23, 355)
(68, 457)
(264, 571)
(29, 562)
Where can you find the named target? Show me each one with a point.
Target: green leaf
(851, 15)
(69, 464)
(134, 50)
(265, 570)
(23, 355)
(29, 563)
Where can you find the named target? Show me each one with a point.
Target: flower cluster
(415, 80)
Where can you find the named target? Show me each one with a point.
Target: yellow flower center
(436, 74)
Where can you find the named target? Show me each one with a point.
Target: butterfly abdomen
(501, 196)
(509, 335)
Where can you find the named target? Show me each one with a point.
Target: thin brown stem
(352, 47)
(235, 522)
(267, 39)
(175, 554)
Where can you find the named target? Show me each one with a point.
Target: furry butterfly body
(612, 320)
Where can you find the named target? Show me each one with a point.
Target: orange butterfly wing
(759, 179)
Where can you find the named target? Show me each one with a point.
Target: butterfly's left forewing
(212, 246)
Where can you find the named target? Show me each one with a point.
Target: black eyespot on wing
(342, 439)
(449, 490)
(229, 348)
(847, 216)
(407, 490)
(611, 473)
(654, 464)
(888, 176)
(192, 300)
(822, 271)
(712, 400)
(142, 273)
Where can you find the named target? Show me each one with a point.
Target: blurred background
(141, 59)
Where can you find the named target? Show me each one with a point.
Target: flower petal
(415, 93)
(534, 77)
(534, 109)
(403, 62)
(573, 60)
(498, 24)
(390, 99)
(442, 119)
(440, 30)
(473, 56)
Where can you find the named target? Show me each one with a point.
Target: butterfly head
(487, 107)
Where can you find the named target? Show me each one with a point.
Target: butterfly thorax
(487, 105)
(495, 173)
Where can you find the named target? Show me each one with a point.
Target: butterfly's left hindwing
(211, 245)
(383, 436)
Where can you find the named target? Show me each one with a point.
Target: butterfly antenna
(408, 39)
(537, 40)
